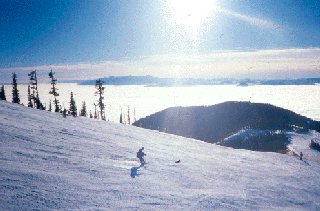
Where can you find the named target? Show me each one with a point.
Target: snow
(51, 162)
(301, 143)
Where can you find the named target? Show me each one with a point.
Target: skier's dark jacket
(140, 154)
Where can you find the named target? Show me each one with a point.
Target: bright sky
(196, 38)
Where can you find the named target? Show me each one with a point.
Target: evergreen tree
(95, 111)
(54, 91)
(128, 115)
(64, 113)
(34, 95)
(73, 107)
(2, 93)
(83, 111)
(121, 121)
(15, 91)
(38, 103)
(56, 105)
(100, 93)
(30, 105)
(50, 107)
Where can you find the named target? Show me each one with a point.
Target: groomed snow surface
(51, 162)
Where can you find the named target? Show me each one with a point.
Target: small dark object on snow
(140, 155)
(178, 161)
(301, 155)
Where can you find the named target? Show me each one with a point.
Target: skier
(301, 155)
(140, 155)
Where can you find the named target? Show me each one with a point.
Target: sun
(191, 13)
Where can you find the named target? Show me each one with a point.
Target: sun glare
(191, 13)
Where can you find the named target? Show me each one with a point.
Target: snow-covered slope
(300, 142)
(51, 162)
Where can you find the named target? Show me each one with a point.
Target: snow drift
(51, 162)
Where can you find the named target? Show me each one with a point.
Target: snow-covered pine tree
(54, 91)
(50, 107)
(34, 95)
(30, 104)
(124, 119)
(38, 103)
(64, 113)
(129, 116)
(56, 105)
(83, 111)
(2, 93)
(73, 107)
(100, 93)
(95, 111)
(15, 91)
(121, 121)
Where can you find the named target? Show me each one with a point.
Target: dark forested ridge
(215, 123)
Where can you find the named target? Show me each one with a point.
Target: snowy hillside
(51, 162)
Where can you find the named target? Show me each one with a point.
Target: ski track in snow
(51, 162)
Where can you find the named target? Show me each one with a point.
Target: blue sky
(196, 38)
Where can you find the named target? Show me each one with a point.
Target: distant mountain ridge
(246, 125)
(156, 81)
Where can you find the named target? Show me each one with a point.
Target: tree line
(35, 102)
